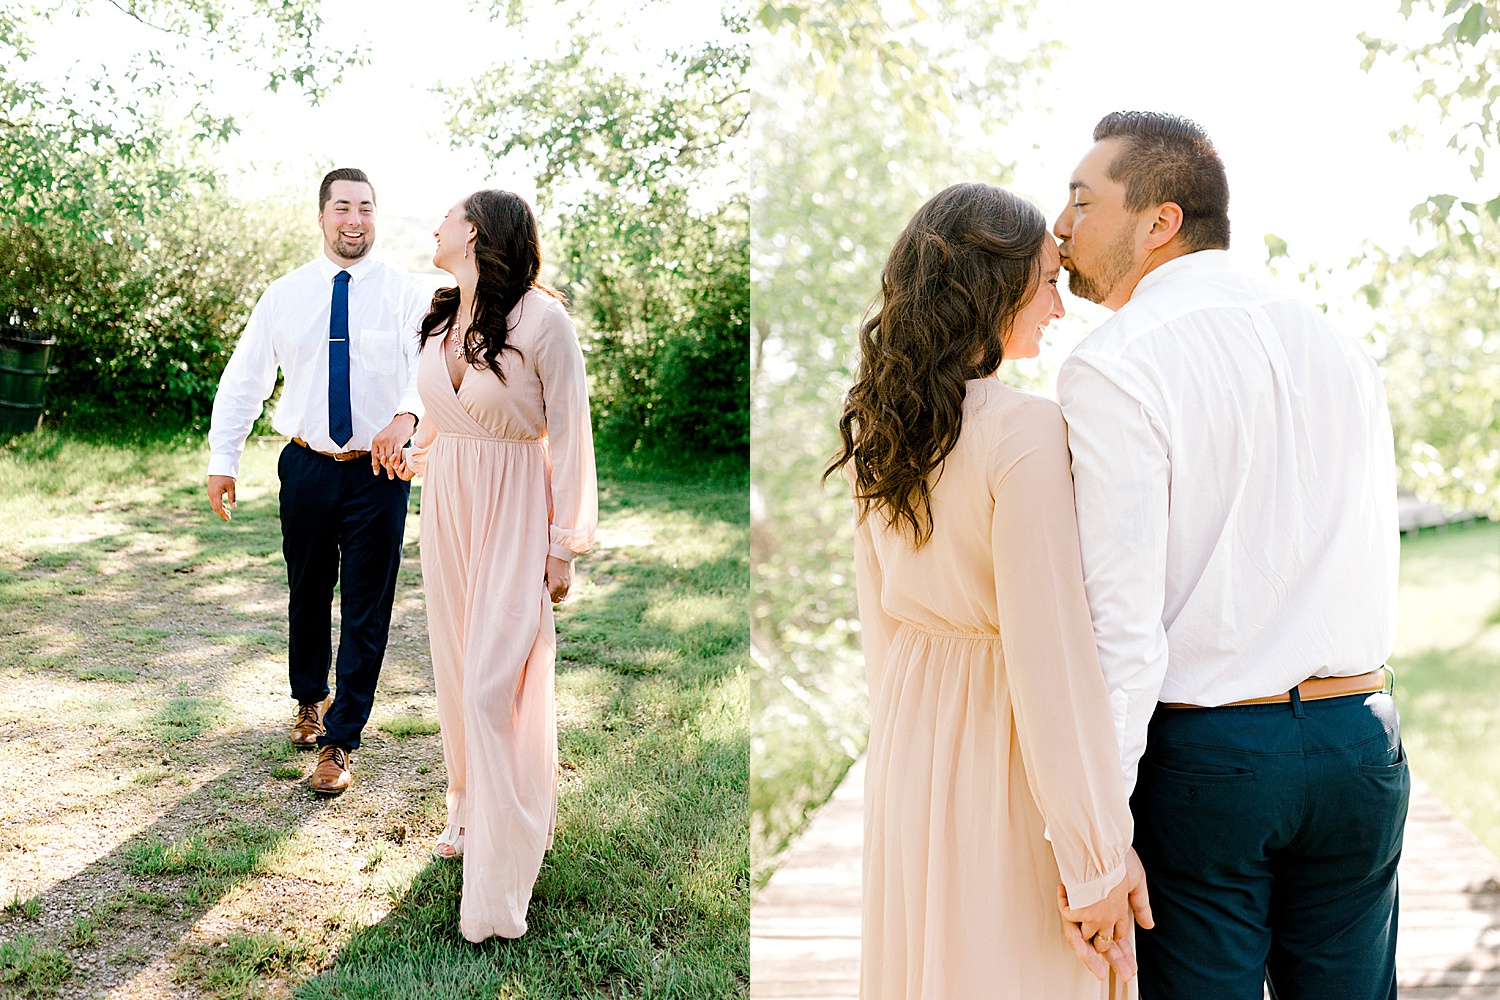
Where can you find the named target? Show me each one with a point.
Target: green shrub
(145, 310)
(663, 301)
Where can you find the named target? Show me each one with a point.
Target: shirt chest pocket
(380, 351)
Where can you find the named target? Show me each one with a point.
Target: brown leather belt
(343, 456)
(1312, 689)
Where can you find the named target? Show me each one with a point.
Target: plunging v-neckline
(447, 371)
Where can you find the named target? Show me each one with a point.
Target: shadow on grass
(646, 889)
(143, 677)
(162, 880)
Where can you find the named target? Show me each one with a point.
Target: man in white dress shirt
(1235, 477)
(342, 329)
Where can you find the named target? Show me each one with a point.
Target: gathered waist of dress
(486, 437)
(949, 633)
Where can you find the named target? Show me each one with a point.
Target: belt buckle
(344, 456)
(1390, 679)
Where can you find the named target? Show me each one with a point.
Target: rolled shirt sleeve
(411, 346)
(1122, 478)
(247, 382)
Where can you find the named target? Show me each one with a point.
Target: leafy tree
(863, 110)
(114, 231)
(1457, 71)
(641, 170)
(99, 147)
(1438, 324)
(1437, 307)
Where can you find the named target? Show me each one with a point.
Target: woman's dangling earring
(466, 251)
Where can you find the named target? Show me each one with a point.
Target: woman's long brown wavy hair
(508, 257)
(959, 273)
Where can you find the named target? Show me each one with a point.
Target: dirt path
(157, 836)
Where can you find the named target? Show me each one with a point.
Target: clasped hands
(386, 448)
(1100, 934)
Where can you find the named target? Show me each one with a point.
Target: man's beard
(351, 253)
(1113, 264)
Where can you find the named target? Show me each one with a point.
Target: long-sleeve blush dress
(989, 724)
(508, 478)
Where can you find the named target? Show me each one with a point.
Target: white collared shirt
(1235, 477)
(289, 329)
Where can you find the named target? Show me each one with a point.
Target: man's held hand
(221, 495)
(385, 450)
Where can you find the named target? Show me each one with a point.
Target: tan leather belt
(1312, 689)
(343, 456)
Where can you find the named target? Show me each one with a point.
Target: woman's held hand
(559, 577)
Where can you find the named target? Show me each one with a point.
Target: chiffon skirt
(484, 552)
(960, 883)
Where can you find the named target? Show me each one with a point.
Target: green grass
(234, 968)
(187, 716)
(26, 909)
(32, 970)
(410, 725)
(1446, 662)
(83, 933)
(115, 675)
(230, 849)
(131, 610)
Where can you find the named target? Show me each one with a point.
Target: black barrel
(23, 378)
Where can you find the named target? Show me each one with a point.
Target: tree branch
(166, 31)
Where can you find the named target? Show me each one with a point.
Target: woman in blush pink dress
(993, 774)
(509, 498)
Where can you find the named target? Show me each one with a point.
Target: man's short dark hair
(1169, 158)
(341, 174)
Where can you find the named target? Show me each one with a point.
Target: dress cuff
(1090, 891)
(565, 543)
(224, 465)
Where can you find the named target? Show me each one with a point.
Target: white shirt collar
(1198, 262)
(327, 268)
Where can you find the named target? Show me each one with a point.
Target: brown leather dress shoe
(309, 724)
(331, 776)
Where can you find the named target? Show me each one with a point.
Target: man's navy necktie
(340, 420)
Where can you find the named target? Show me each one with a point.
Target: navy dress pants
(339, 524)
(1270, 836)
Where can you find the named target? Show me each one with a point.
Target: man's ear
(1168, 223)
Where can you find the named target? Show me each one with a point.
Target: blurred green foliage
(117, 235)
(1438, 303)
(862, 111)
(1438, 324)
(642, 174)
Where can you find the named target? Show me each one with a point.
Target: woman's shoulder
(543, 303)
(541, 312)
(992, 399)
(1007, 424)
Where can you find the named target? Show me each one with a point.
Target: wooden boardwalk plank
(804, 925)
